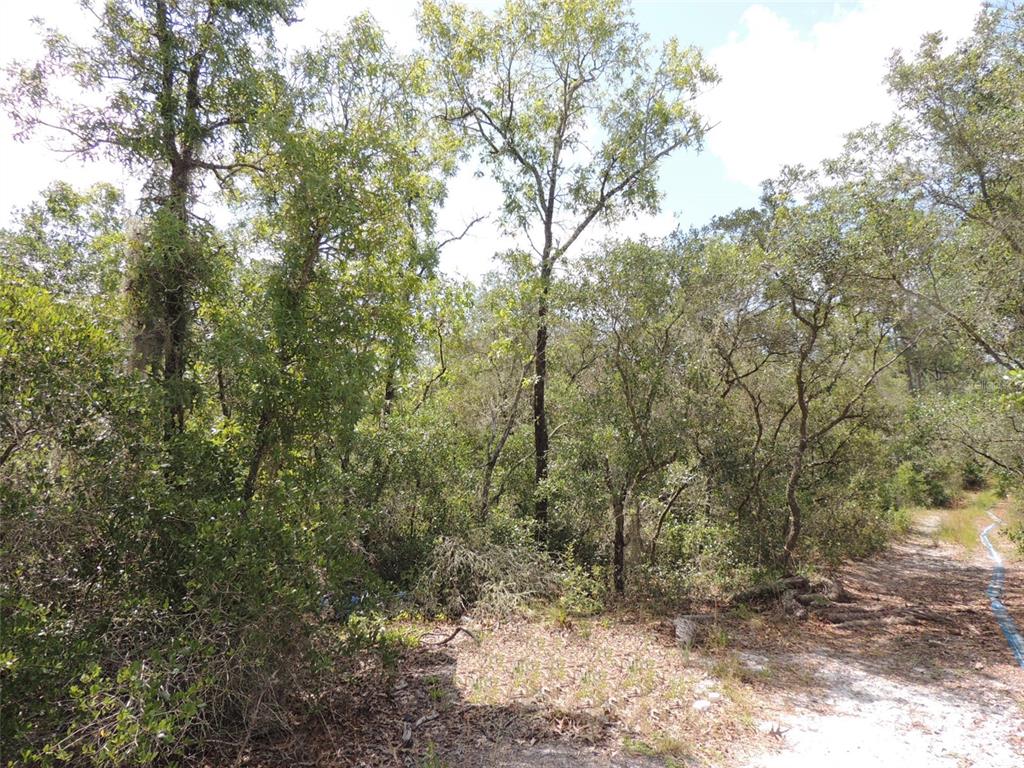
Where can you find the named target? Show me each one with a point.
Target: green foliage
(583, 589)
(70, 242)
(526, 82)
(698, 560)
(1016, 532)
(909, 488)
(930, 486)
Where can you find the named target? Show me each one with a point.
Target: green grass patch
(660, 746)
(961, 526)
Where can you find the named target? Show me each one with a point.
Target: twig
(456, 632)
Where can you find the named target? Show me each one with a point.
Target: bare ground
(919, 675)
(912, 672)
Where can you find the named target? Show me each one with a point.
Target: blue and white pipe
(995, 595)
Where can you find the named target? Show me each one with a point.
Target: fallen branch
(771, 591)
(454, 634)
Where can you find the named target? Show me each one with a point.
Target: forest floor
(912, 671)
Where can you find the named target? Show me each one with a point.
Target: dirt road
(918, 674)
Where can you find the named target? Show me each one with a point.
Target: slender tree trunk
(540, 419)
(794, 520)
(635, 540)
(495, 455)
(222, 394)
(485, 488)
(259, 453)
(661, 519)
(390, 393)
(619, 544)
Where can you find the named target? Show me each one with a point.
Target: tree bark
(661, 519)
(259, 452)
(176, 307)
(540, 420)
(794, 520)
(619, 544)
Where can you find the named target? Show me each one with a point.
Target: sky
(795, 78)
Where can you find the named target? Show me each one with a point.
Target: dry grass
(962, 526)
(617, 682)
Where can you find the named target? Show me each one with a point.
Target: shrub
(909, 487)
(474, 570)
(584, 589)
(973, 475)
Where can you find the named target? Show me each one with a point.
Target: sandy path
(898, 690)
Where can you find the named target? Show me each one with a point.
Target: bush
(475, 571)
(1016, 535)
(584, 589)
(973, 476)
(698, 557)
(924, 485)
(909, 488)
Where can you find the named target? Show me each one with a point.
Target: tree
(528, 87)
(176, 83)
(349, 180)
(953, 156)
(811, 338)
(634, 397)
(957, 144)
(71, 242)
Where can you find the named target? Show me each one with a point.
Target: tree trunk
(619, 546)
(495, 455)
(635, 540)
(176, 277)
(661, 519)
(540, 421)
(259, 453)
(794, 519)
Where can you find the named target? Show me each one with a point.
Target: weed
(717, 639)
(669, 747)
(436, 689)
(744, 612)
(962, 526)
(729, 669)
(431, 759)
(637, 747)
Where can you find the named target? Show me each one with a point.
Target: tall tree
(633, 302)
(812, 339)
(572, 111)
(958, 143)
(173, 84)
(346, 205)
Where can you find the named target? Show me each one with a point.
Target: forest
(247, 424)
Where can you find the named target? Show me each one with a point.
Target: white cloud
(471, 195)
(787, 97)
